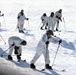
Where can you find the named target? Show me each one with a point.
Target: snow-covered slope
(66, 57)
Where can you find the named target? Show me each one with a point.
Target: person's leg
(42, 26)
(21, 24)
(47, 60)
(34, 60)
(53, 27)
(46, 57)
(19, 57)
(18, 51)
(46, 25)
(57, 27)
(10, 53)
(21, 29)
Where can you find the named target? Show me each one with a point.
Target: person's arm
(55, 39)
(1, 14)
(18, 16)
(25, 18)
(42, 18)
(44, 38)
(59, 18)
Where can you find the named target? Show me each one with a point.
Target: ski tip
(42, 69)
(24, 60)
(63, 70)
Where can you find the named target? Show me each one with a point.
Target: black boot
(16, 52)
(41, 28)
(56, 29)
(32, 66)
(22, 31)
(19, 31)
(9, 57)
(18, 57)
(45, 27)
(48, 67)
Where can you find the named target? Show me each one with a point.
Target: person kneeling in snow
(15, 43)
(42, 48)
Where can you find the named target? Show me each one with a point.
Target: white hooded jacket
(21, 21)
(44, 19)
(42, 46)
(50, 23)
(15, 40)
(58, 14)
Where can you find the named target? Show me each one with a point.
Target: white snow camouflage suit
(15, 40)
(56, 19)
(41, 48)
(44, 20)
(20, 23)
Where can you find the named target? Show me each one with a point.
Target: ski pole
(45, 56)
(6, 50)
(55, 55)
(28, 25)
(46, 52)
(64, 24)
(4, 22)
(17, 27)
(2, 39)
(39, 25)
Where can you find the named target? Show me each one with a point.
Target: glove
(18, 27)
(13, 44)
(2, 14)
(60, 41)
(27, 19)
(42, 19)
(20, 54)
(61, 20)
(47, 42)
(18, 17)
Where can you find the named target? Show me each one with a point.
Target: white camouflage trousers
(46, 57)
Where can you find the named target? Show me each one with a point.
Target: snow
(66, 57)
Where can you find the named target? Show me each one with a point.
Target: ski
(41, 69)
(63, 70)
(16, 61)
(57, 31)
(22, 61)
(45, 69)
(36, 69)
(11, 60)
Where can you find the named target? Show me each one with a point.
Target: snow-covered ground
(66, 57)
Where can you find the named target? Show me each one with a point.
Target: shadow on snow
(68, 45)
(51, 72)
